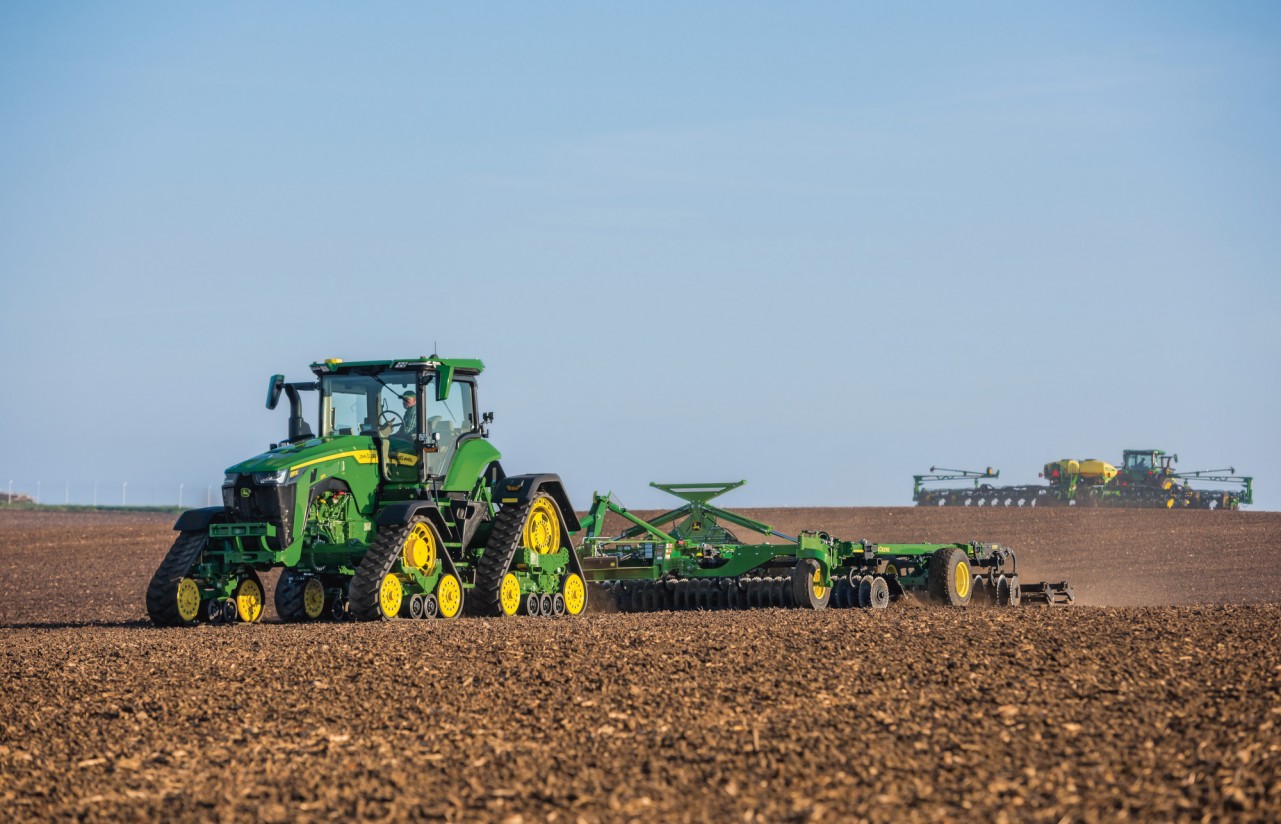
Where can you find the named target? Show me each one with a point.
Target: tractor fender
(519, 489)
(402, 513)
(195, 520)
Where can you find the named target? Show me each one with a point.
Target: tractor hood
(294, 457)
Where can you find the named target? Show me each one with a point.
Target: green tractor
(396, 507)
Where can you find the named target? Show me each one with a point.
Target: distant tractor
(1146, 478)
(396, 507)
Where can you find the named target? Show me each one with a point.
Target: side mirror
(488, 417)
(275, 386)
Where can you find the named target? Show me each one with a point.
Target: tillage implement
(1146, 478)
(691, 558)
(397, 507)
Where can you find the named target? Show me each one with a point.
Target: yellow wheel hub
(963, 579)
(542, 527)
(390, 595)
(509, 594)
(313, 598)
(188, 599)
(249, 600)
(574, 591)
(449, 596)
(419, 550)
(819, 589)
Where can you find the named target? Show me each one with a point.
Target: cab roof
(421, 363)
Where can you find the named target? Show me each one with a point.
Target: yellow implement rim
(249, 600)
(963, 579)
(449, 596)
(188, 597)
(509, 594)
(819, 589)
(419, 550)
(390, 594)
(574, 591)
(313, 598)
(542, 527)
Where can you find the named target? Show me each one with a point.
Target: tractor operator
(409, 426)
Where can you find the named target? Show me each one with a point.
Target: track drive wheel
(250, 598)
(574, 590)
(808, 591)
(950, 576)
(299, 597)
(535, 524)
(169, 595)
(376, 592)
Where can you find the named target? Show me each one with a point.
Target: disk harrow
(689, 559)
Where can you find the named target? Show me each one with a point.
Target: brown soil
(1085, 713)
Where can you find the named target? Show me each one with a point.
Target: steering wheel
(390, 420)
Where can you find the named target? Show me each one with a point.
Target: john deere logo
(244, 492)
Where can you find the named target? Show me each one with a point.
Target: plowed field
(1159, 698)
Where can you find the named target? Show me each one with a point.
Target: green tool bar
(242, 530)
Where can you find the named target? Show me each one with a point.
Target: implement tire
(807, 591)
(950, 576)
(299, 597)
(504, 539)
(163, 592)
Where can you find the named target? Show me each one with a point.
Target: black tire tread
(162, 592)
(289, 597)
(363, 602)
(504, 540)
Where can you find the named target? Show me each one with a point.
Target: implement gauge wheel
(808, 591)
(299, 597)
(951, 577)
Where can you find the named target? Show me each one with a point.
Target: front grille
(252, 503)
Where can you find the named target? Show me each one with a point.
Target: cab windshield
(364, 404)
(390, 405)
(1139, 461)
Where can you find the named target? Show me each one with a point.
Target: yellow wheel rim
(249, 600)
(390, 594)
(449, 596)
(313, 598)
(1169, 504)
(819, 589)
(542, 527)
(188, 599)
(574, 591)
(963, 579)
(419, 550)
(509, 594)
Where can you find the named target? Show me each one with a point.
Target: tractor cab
(419, 407)
(1146, 467)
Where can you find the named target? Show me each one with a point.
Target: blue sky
(817, 246)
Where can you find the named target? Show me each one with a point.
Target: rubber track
(363, 593)
(289, 590)
(162, 592)
(504, 540)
